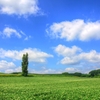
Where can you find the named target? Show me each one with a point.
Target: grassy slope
(49, 88)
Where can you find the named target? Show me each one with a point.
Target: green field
(49, 88)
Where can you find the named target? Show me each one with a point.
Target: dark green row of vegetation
(93, 73)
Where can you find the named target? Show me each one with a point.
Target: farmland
(49, 88)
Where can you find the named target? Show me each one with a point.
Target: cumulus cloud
(71, 70)
(70, 60)
(35, 55)
(77, 29)
(43, 71)
(92, 56)
(66, 51)
(6, 65)
(71, 57)
(9, 32)
(19, 7)
(10, 70)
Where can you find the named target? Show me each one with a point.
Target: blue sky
(59, 35)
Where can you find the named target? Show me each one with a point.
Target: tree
(25, 64)
(77, 74)
(94, 73)
(65, 73)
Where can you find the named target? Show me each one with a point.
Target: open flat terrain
(49, 88)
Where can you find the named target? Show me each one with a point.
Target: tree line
(93, 73)
(24, 64)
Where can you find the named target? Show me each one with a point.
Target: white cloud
(71, 70)
(18, 69)
(35, 55)
(66, 51)
(6, 65)
(26, 37)
(71, 57)
(70, 60)
(10, 70)
(92, 56)
(76, 29)
(44, 71)
(19, 7)
(8, 32)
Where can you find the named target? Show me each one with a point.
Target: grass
(49, 88)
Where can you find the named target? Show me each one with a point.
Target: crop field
(49, 88)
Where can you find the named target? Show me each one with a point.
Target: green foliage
(94, 73)
(16, 73)
(77, 74)
(49, 88)
(25, 64)
(65, 73)
(85, 75)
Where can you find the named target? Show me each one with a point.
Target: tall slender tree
(25, 64)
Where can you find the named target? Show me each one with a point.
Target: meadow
(49, 88)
